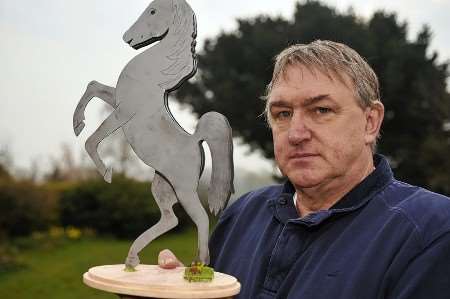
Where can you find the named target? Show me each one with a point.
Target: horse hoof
(204, 259)
(108, 175)
(132, 261)
(78, 128)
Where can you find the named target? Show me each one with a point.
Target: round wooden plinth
(154, 282)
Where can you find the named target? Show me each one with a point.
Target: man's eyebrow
(307, 102)
(278, 103)
(315, 99)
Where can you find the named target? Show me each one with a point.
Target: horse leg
(165, 198)
(94, 89)
(114, 121)
(191, 204)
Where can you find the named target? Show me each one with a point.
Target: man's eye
(322, 110)
(283, 114)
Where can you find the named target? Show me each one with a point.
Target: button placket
(288, 248)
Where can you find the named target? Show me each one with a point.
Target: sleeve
(427, 275)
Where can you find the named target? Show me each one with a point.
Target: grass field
(56, 272)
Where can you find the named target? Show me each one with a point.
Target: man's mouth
(302, 156)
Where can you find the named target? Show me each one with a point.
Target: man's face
(320, 133)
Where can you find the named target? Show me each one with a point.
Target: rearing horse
(141, 110)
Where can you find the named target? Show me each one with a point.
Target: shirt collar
(284, 209)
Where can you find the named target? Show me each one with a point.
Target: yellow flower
(73, 232)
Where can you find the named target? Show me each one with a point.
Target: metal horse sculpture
(141, 110)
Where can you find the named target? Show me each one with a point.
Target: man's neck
(324, 196)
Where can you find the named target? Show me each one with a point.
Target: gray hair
(329, 58)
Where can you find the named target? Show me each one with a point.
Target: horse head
(152, 25)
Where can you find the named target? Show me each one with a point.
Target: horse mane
(182, 52)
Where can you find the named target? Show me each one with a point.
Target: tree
(5, 161)
(235, 67)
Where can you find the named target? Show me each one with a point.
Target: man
(341, 226)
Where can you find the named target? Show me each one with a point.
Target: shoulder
(427, 211)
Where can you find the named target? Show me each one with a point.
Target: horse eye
(153, 11)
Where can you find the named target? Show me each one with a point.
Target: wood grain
(151, 281)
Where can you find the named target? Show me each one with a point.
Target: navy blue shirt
(384, 239)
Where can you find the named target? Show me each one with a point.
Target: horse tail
(214, 128)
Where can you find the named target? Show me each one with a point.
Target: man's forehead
(296, 73)
(315, 71)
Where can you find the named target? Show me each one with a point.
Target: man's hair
(333, 59)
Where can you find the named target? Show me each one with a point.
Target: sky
(50, 50)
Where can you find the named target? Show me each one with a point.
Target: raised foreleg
(114, 121)
(165, 198)
(94, 89)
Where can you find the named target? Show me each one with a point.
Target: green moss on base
(129, 269)
(198, 273)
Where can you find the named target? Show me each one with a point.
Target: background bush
(125, 208)
(24, 208)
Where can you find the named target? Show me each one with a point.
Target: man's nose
(299, 131)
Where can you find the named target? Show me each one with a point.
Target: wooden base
(150, 281)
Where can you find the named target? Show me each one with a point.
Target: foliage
(234, 68)
(4, 174)
(24, 208)
(125, 208)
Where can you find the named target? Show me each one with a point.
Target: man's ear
(374, 118)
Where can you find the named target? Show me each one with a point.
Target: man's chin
(307, 177)
(303, 183)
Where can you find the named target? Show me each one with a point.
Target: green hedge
(125, 208)
(24, 208)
